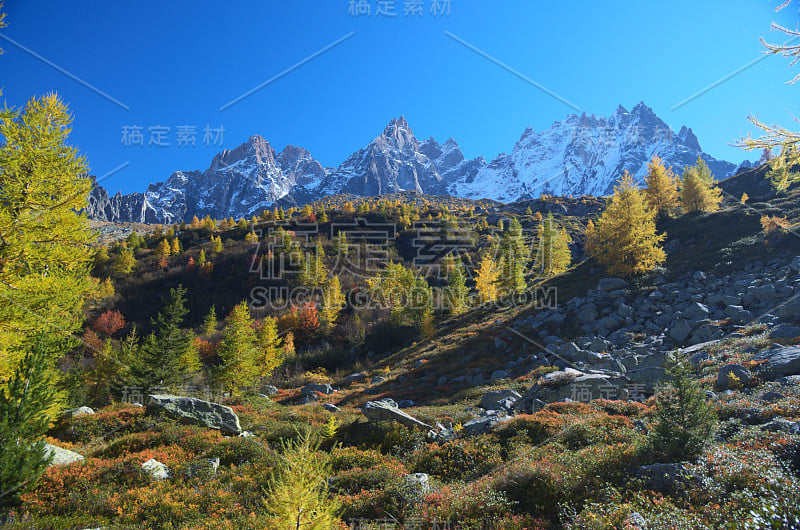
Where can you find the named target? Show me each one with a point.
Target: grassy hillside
(563, 464)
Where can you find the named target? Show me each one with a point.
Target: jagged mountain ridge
(586, 155)
(577, 156)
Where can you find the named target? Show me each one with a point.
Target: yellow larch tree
(699, 192)
(624, 238)
(661, 192)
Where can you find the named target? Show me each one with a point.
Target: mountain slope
(581, 155)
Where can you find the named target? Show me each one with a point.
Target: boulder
(61, 456)
(156, 469)
(376, 411)
(699, 358)
(664, 478)
(80, 411)
(649, 376)
(784, 331)
(625, 311)
(782, 425)
(196, 411)
(611, 284)
(312, 388)
(738, 315)
(356, 377)
(764, 294)
(480, 425)
(390, 402)
(490, 399)
(330, 407)
(770, 397)
(790, 311)
(778, 361)
(680, 330)
(696, 311)
(570, 384)
(499, 374)
(269, 390)
(733, 377)
(587, 314)
(417, 485)
(607, 324)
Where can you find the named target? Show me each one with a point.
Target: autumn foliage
(109, 322)
(624, 238)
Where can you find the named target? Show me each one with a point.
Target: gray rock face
(383, 411)
(778, 361)
(62, 456)
(156, 469)
(197, 412)
(649, 376)
(733, 376)
(490, 399)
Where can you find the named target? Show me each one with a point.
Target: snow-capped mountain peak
(585, 155)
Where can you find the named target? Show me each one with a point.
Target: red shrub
(109, 322)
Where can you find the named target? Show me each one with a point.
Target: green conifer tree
(456, 290)
(553, 255)
(210, 322)
(160, 362)
(24, 419)
(515, 258)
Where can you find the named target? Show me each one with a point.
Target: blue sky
(175, 64)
